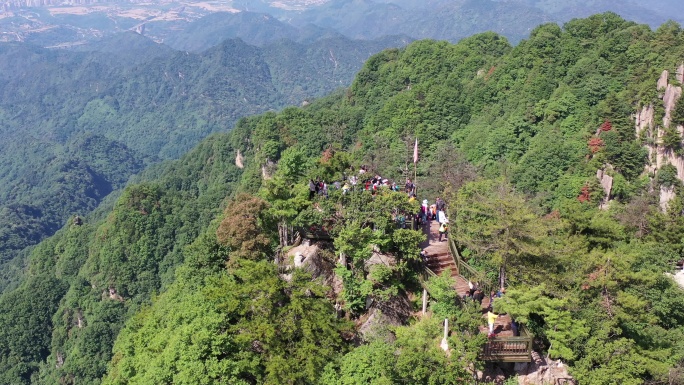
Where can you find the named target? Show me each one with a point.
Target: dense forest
(176, 283)
(76, 125)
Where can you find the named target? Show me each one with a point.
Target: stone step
(441, 265)
(439, 272)
(442, 259)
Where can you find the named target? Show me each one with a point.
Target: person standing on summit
(491, 318)
(409, 187)
(441, 205)
(443, 228)
(424, 211)
(312, 189)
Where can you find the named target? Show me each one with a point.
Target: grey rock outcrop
(311, 257)
(380, 258)
(383, 315)
(647, 128)
(672, 94)
(662, 82)
(607, 184)
(239, 159)
(268, 169)
(542, 372)
(678, 278)
(666, 195)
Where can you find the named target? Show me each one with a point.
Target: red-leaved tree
(595, 144)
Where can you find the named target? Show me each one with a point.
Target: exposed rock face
(662, 82)
(672, 94)
(645, 126)
(382, 315)
(678, 278)
(113, 294)
(310, 257)
(380, 258)
(666, 195)
(492, 374)
(644, 119)
(268, 169)
(377, 326)
(239, 160)
(607, 184)
(541, 372)
(306, 251)
(79, 319)
(658, 155)
(299, 260)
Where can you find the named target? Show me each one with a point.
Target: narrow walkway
(439, 260)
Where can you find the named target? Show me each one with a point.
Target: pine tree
(494, 221)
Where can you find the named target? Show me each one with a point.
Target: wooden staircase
(439, 263)
(443, 256)
(440, 259)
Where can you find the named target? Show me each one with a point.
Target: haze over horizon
(55, 23)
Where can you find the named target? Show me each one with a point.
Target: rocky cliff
(651, 129)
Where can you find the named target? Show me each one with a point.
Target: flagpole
(415, 172)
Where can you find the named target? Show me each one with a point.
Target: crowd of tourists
(366, 182)
(362, 182)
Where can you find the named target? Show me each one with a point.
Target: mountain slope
(254, 28)
(527, 113)
(77, 125)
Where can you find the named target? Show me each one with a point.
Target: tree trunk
(502, 277)
(281, 234)
(287, 238)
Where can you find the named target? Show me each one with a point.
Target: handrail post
(529, 345)
(425, 293)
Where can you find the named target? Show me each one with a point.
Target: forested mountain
(177, 284)
(76, 125)
(254, 28)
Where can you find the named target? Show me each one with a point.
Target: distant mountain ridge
(76, 125)
(196, 26)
